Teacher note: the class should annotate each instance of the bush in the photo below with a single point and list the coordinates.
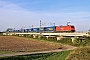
(43, 38)
(65, 40)
(83, 42)
(77, 40)
(1, 34)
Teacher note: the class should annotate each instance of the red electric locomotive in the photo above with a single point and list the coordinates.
(68, 28)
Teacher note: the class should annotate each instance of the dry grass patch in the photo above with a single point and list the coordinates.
(82, 53)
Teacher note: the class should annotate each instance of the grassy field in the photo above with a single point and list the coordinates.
(81, 53)
(50, 56)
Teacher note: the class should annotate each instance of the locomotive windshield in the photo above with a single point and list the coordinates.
(72, 26)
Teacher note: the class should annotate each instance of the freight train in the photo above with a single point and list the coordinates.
(68, 28)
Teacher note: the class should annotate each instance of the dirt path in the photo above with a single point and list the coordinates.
(67, 47)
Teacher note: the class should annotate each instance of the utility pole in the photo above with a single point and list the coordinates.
(32, 26)
(40, 23)
(40, 26)
(54, 24)
(14, 30)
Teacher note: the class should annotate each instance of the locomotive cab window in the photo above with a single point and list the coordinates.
(72, 26)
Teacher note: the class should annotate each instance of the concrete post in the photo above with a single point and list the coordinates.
(34, 36)
(72, 39)
(59, 38)
(47, 37)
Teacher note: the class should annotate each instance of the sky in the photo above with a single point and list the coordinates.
(25, 13)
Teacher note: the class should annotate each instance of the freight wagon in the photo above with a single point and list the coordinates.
(49, 29)
(35, 29)
(41, 29)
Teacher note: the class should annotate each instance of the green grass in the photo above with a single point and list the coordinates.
(48, 56)
(3, 52)
(8, 52)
